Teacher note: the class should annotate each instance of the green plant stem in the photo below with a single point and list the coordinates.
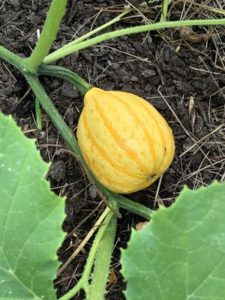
(79, 286)
(71, 141)
(206, 7)
(102, 229)
(48, 34)
(100, 28)
(66, 74)
(53, 113)
(38, 114)
(11, 58)
(165, 5)
(64, 51)
(102, 262)
(83, 283)
(91, 232)
(133, 207)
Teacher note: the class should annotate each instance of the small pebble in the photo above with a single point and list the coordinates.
(92, 192)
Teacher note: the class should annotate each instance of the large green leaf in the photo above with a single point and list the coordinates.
(180, 254)
(30, 219)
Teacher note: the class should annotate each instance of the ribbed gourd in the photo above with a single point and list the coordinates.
(125, 141)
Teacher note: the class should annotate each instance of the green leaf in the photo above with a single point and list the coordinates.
(180, 254)
(30, 219)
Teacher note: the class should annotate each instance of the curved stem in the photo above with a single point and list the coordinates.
(102, 262)
(85, 240)
(133, 207)
(48, 34)
(73, 291)
(64, 51)
(100, 28)
(66, 74)
(11, 58)
(53, 113)
(83, 283)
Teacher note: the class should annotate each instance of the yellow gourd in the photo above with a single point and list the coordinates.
(125, 141)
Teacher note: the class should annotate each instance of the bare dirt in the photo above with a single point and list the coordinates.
(185, 81)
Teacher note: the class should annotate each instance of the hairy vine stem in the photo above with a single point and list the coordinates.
(71, 48)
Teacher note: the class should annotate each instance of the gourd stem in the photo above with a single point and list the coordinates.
(66, 74)
(64, 51)
(133, 206)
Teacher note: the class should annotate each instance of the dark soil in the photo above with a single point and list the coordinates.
(185, 81)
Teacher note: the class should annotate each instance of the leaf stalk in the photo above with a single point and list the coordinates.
(66, 50)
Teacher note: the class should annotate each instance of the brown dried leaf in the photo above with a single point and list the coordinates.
(188, 35)
(112, 277)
